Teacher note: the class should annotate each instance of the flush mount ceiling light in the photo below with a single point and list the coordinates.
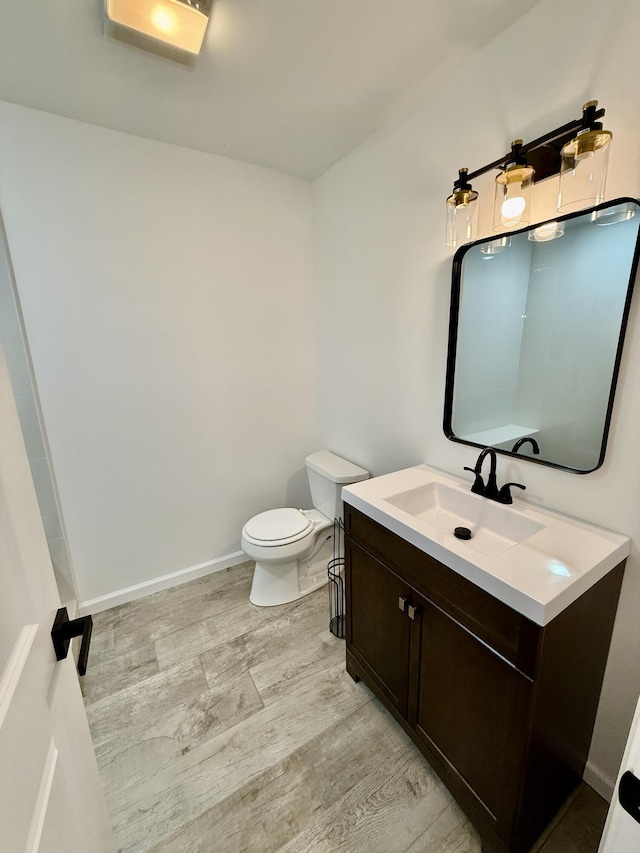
(172, 28)
(577, 151)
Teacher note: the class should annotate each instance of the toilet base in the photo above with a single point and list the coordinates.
(280, 583)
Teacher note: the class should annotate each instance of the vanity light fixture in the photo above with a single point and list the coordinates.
(495, 247)
(577, 151)
(512, 206)
(612, 215)
(585, 158)
(172, 28)
(546, 232)
(462, 212)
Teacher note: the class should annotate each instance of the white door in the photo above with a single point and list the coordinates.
(50, 794)
(622, 831)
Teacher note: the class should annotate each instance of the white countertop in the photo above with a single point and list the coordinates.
(500, 435)
(539, 576)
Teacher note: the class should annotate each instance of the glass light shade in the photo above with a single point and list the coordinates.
(512, 206)
(612, 215)
(178, 24)
(462, 217)
(547, 231)
(495, 247)
(583, 170)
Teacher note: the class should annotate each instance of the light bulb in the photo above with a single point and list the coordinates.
(546, 232)
(512, 209)
(163, 20)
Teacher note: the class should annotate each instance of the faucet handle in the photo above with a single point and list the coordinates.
(504, 495)
(478, 483)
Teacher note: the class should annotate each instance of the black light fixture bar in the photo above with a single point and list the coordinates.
(542, 153)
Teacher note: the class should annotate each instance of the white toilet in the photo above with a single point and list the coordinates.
(291, 547)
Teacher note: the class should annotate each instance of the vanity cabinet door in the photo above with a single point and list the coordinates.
(470, 707)
(378, 628)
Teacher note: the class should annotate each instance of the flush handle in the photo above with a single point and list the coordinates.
(65, 629)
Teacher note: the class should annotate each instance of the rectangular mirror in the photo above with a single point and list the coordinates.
(535, 336)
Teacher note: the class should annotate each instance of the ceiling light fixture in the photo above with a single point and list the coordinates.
(173, 28)
(577, 151)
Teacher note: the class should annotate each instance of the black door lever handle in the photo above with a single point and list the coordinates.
(629, 794)
(65, 629)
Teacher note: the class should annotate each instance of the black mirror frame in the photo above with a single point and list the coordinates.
(453, 336)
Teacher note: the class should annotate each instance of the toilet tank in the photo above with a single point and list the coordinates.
(327, 474)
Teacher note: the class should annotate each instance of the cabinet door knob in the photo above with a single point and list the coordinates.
(402, 603)
(413, 611)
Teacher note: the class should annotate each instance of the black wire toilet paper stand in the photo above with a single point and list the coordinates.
(335, 571)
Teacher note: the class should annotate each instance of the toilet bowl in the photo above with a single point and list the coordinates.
(291, 547)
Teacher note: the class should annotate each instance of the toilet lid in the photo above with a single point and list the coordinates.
(277, 524)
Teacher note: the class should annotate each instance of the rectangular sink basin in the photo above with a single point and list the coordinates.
(532, 559)
(494, 528)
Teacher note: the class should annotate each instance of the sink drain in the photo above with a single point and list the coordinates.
(462, 533)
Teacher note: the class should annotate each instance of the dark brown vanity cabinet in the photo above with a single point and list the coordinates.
(380, 594)
(502, 708)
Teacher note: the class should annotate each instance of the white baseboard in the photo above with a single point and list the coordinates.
(600, 783)
(122, 596)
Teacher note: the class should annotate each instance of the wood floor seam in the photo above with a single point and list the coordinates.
(221, 727)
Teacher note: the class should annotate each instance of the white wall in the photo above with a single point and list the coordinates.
(167, 296)
(149, 274)
(379, 220)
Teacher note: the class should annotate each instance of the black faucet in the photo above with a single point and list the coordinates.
(534, 445)
(490, 490)
(479, 488)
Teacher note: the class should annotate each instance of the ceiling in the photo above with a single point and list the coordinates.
(293, 85)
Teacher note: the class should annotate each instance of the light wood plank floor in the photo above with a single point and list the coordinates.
(222, 727)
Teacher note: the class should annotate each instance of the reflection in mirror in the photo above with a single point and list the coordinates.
(537, 323)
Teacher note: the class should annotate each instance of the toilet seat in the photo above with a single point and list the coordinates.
(277, 527)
